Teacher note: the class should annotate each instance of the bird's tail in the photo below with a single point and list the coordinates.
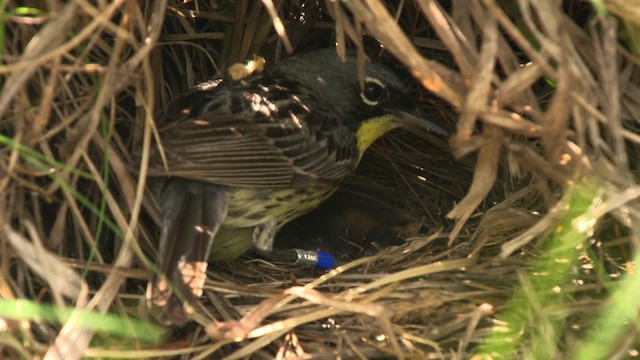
(192, 213)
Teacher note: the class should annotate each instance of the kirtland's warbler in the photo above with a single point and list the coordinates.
(241, 158)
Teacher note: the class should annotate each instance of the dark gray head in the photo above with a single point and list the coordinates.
(337, 84)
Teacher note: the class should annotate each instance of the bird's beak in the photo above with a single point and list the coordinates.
(417, 122)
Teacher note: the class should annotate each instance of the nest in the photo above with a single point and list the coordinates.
(515, 240)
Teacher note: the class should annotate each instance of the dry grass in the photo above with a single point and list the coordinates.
(542, 104)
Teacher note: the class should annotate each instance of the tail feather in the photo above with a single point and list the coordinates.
(192, 213)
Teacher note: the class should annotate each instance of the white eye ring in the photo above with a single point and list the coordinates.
(373, 90)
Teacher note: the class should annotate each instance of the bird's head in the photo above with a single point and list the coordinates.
(380, 105)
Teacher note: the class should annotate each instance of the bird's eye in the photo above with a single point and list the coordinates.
(373, 91)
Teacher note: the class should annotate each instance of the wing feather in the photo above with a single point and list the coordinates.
(250, 141)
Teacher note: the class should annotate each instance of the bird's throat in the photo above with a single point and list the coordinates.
(372, 129)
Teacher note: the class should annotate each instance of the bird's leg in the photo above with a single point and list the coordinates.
(263, 236)
(192, 213)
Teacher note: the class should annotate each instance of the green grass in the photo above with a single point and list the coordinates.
(527, 322)
(110, 324)
(619, 313)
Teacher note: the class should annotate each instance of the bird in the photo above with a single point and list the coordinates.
(235, 160)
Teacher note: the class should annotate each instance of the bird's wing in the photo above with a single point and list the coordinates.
(251, 138)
